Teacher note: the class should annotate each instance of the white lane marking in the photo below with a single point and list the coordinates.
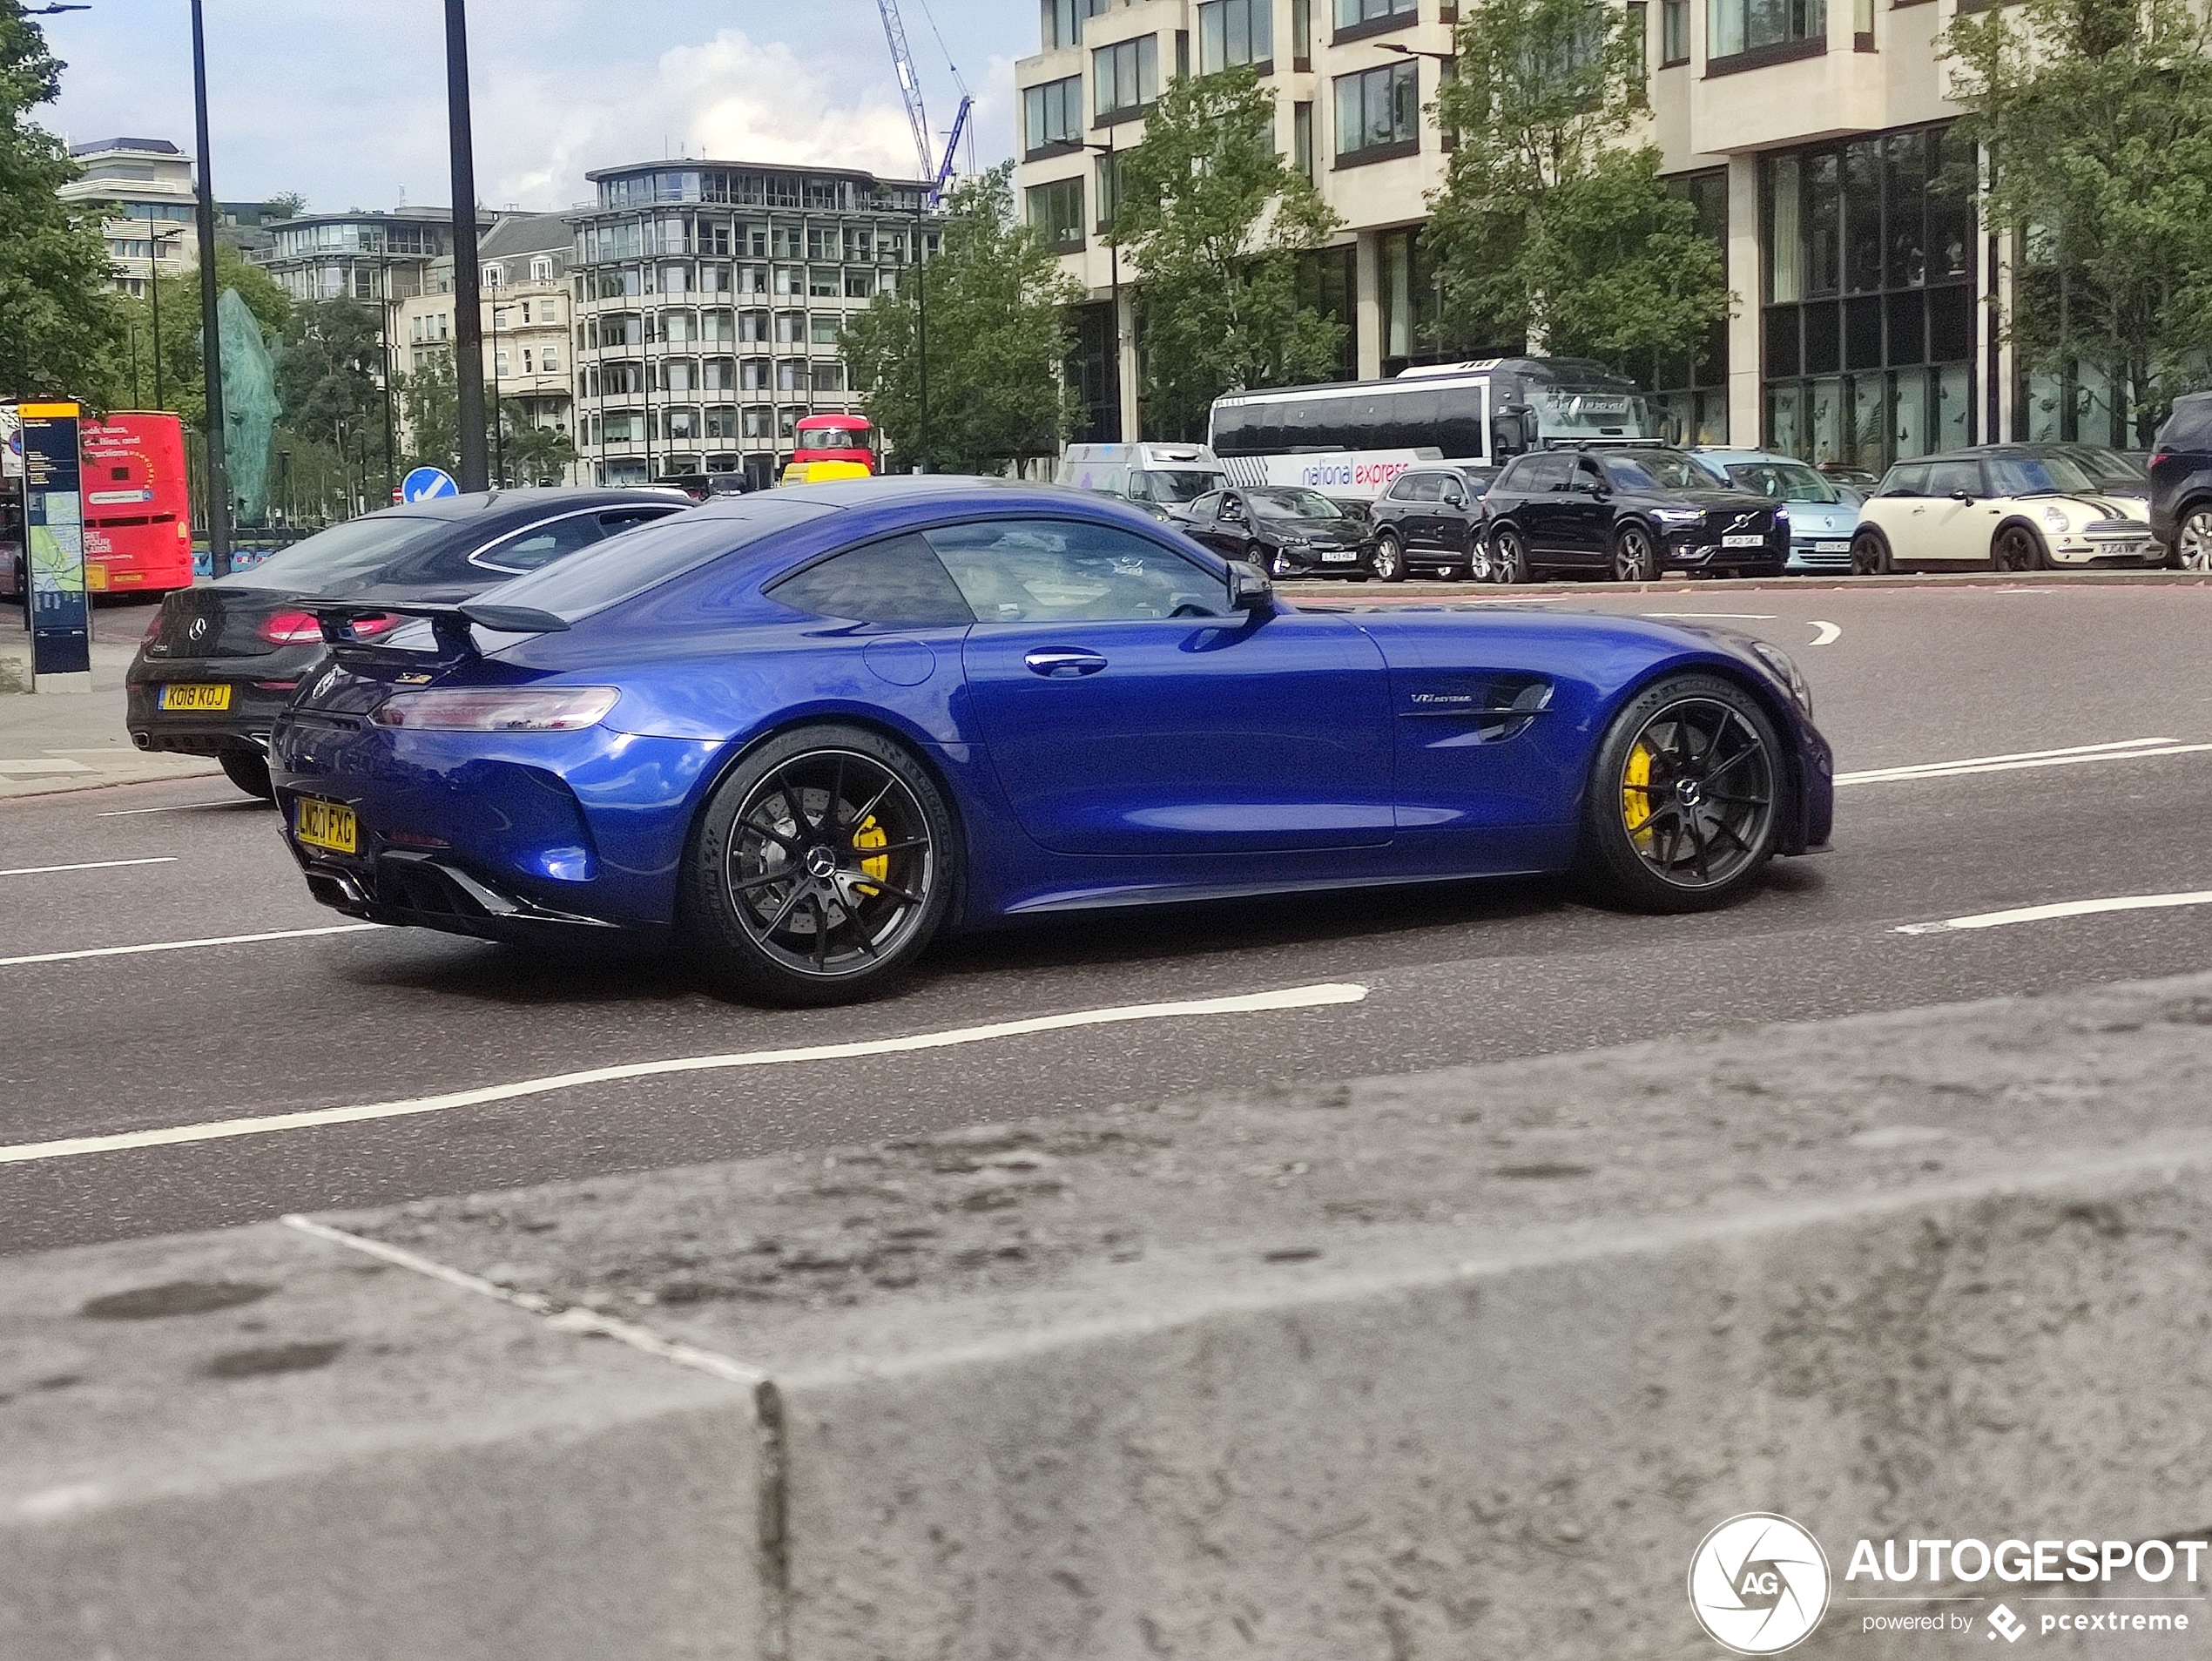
(1294, 997)
(2119, 749)
(92, 865)
(575, 1319)
(176, 807)
(1736, 616)
(2063, 909)
(185, 945)
(1825, 634)
(48, 766)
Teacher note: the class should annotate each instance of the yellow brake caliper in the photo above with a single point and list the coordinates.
(1635, 797)
(872, 834)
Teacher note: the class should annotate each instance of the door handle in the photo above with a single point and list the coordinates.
(1064, 663)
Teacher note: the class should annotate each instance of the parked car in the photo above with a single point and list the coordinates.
(1430, 519)
(221, 660)
(1860, 479)
(1285, 529)
(1162, 480)
(2002, 507)
(2181, 482)
(1823, 514)
(802, 732)
(1630, 514)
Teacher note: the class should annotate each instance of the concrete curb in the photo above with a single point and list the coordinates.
(1431, 588)
(1458, 1364)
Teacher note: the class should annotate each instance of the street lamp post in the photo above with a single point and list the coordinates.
(469, 323)
(154, 299)
(210, 341)
(498, 426)
(1114, 266)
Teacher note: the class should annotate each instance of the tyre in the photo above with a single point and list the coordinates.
(1635, 557)
(1390, 557)
(2192, 539)
(1509, 557)
(2018, 548)
(249, 771)
(1683, 808)
(823, 865)
(1870, 555)
(1479, 566)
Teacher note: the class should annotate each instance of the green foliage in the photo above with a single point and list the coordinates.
(59, 319)
(1551, 231)
(430, 397)
(1212, 217)
(2097, 119)
(182, 385)
(328, 378)
(533, 455)
(996, 335)
(284, 205)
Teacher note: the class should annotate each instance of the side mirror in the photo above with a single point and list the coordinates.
(1966, 496)
(1248, 589)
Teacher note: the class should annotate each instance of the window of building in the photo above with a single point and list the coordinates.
(528, 368)
(1125, 78)
(1057, 212)
(1235, 31)
(548, 360)
(825, 283)
(1379, 113)
(791, 329)
(1301, 35)
(1328, 283)
(859, 285)
(824, 327)
(792, 375)
(1089, 367)
(1365, 16)
(1674, 32)
(790, 280)
(495, 277)
(1411, 304)
(787, 421)
(1868, 281)
(760, 421)
(1737, 27)
(1302, 139)
(753, 374)
(829, 376)
(1052, 115)
(542, 268)
(1690, 389)
(722, 422)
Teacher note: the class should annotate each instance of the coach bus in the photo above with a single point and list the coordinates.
(842, 442)
(138, 504)
(1352, 438)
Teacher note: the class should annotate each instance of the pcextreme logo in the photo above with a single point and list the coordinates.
(1758, 1584)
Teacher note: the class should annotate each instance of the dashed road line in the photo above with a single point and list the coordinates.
(91, 865)
(185, 945)
(2060, 908)
(2073, 755)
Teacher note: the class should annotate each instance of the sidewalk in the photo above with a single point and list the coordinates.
(75, 741)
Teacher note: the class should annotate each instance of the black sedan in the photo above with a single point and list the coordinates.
(1630, 514)
(221, 660)
(1284, 530)
(1430, 519)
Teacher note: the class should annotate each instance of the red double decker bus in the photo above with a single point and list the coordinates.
(137, 505)
(850, 439)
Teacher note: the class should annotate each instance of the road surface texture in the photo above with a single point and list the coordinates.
(2091, 697)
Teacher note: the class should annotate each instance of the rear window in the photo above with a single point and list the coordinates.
(345, 555)
(625, 566)
(2190, 425)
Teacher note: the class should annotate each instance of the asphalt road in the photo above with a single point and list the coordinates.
(128, 1043)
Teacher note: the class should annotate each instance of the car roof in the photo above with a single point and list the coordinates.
(1730, 453)
(536, 498)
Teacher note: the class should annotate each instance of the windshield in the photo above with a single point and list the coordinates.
(1782, 481)
(831, 438)
(2111, 469)
(2027, 475)
(1293, 504)
(343, 555)
(1658, 471)
(1176, 485)
(1591, 412)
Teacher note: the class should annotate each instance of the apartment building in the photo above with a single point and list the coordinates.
(373, 256)
(708, 298)
(150, 183)
(1813, 135)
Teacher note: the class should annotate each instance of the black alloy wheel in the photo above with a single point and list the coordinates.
(1509, 557)
(1635, 557)
(820, 869)
(1683, 809)
(1870, 555)
(2018, 549)
(1478, 557)
(1390, 557)
(249, 771)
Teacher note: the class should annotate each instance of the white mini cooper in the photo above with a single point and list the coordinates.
(2007, 507)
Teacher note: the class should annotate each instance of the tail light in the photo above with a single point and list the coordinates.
(296, 628)
(499, 709)
(2160, 458)
(153, 628)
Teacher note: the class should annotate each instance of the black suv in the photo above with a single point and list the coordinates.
(1431, 520)
(2181, 483)
(1630, 514)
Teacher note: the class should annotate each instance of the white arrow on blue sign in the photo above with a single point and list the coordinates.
(428, 481)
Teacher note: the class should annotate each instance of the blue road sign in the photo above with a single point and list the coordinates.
(428, 481)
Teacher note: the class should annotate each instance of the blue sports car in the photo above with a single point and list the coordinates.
(804, 732)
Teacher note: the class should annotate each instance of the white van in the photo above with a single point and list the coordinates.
(1162, 478)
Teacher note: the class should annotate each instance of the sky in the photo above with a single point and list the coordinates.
(344, 100)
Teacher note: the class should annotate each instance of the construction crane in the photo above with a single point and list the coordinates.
(938, 172)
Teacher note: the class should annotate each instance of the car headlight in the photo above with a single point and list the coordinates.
(1786, 672)
(2054, 519)
(1678, 515)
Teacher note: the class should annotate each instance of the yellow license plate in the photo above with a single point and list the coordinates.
(324, 824)
(196, 695)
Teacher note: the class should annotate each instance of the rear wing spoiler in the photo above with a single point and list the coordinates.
(454, 625)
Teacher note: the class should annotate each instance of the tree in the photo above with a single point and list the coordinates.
(1213, 219)
(333, 350)
(996, 335)
(284, 205)
(1551, 232)
(534, 454)
(431, 399)
(183, 382)
(58, 318)
(2096, 120)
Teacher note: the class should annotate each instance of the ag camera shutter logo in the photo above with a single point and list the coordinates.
(1758, 1584)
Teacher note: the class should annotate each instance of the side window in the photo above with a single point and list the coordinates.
(1206, 506)
(540, 544)
(1947, 478)
(1030, 570)
(1539, 473)
(897, 581)
(1454, 490)
(1906, 481)
(615, 521)
(1402, 490)
(1423, 487)
(1589, 476)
